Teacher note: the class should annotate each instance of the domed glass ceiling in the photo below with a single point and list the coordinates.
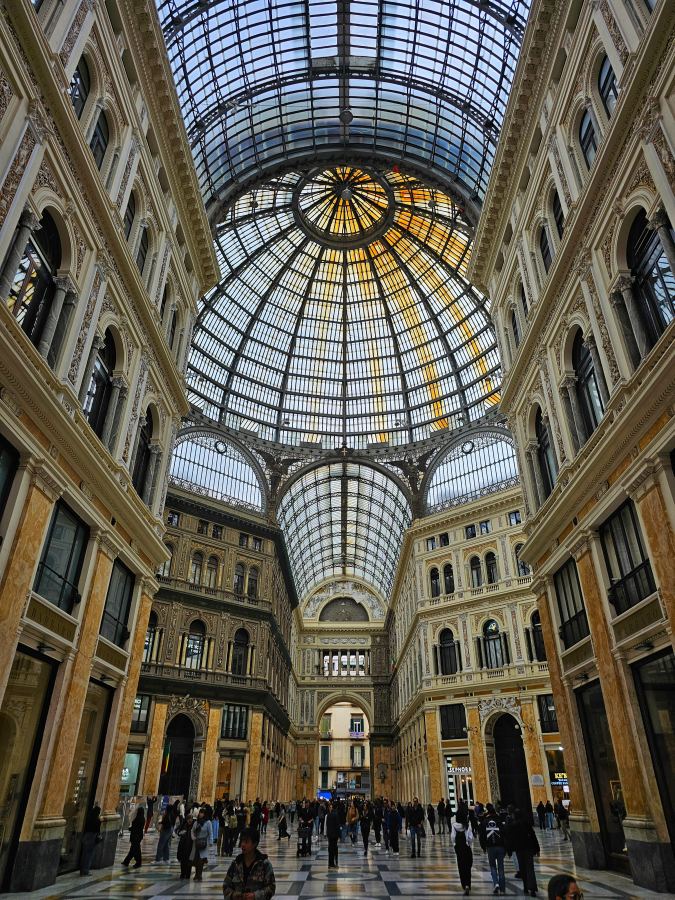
(344, 315)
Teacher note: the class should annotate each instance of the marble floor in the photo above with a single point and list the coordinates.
(376, 877)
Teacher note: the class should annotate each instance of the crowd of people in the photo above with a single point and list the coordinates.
(500, 832)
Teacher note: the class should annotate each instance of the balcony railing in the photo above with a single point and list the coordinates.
(574, 629)
(632, 588)
(357, 735)
(180, 584)
(207, 676)
(515, 671)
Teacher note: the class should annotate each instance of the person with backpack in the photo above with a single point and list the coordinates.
(461, 836)
(250, 876)
(521, 840)
(491, 837)
(202, 838)
(563, 816)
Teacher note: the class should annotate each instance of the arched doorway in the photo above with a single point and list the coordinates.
(178, 753)
(511, 765)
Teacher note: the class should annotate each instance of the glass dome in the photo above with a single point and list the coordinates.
(344, 315)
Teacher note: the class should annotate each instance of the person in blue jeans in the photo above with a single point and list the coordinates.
(165, 833)
(491, 833)
(414, 820)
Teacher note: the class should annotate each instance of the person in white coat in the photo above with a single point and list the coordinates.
(202, 838)
(461, 836)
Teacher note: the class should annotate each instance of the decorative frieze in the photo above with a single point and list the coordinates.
(16, 170)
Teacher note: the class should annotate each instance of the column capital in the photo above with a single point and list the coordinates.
(29, 219)
(568, 381)
(616, 299)
(658, 219)
(642, 482)
(155, 449)
(589, 341)
(118, 381)
(106, 544)
(532, 447)
(98, 342)
(581, 545)
(42, 478)
(64, 283)
(624, 282)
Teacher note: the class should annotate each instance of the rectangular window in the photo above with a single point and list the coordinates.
(356, 756)
(324, 726)
(139, 716)
(118, 604)
(431, 543)
(234, 724)
(470, 531)
(485, 527)
(257, 544)
(547, 716)
(173, 517)
(217, 531)
(324, 781)
(573, 621)
(445, 540)
(356, 725)
(202, 527)
(325, 757)
(514, 517)
(9, 463)
(628, 567)
(59, 570)
(453, 721)
(243, 540)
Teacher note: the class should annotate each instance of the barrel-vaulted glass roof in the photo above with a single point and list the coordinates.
(268, 81)
(344, 519)
(344, 315)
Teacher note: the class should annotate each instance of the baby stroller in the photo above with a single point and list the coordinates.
(304, 841)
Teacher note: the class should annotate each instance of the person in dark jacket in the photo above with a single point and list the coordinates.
(449, 813)
(414, 819)
(378, 813)
(283, 824)
(90, 837)
(461, 835)
(250, 876)
(491, 834)
(521, 840)
(332, 826)
(431, 816)
(440, 812)
(166, 824)
(541, 815)
(136, 833)
(151, 809)
(184, 851)
(366, 819)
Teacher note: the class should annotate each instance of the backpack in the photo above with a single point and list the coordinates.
(493, 834)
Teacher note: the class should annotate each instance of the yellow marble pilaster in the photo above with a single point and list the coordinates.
(153, 763)
(254, 755)
(479, 776)
(626, 749)
(75, 690)
(433, 755)
(661, 543)
(20, 568)
(207, 789)
(305, 757)
(532, 747)
(120, 729)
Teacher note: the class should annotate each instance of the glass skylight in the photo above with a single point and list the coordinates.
(479, 465)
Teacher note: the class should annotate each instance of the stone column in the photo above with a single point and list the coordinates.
(625, 285)
(255, 754)
(19, 572)
(570, 384)
(532, 747)
(481, 785)
(119, 409)
(139, 427)
(155, 451)
(67, 723)
(619, 307)
(532, 453)
(592, 348)
(111, 412)
(565, 392)
(659, 223)
(153, 760)
(96, 345)
(207, 790)
(433, 754)
(63, 286)
(28, 223)
(55, 351)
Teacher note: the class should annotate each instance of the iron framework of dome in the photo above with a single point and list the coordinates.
(344, 316)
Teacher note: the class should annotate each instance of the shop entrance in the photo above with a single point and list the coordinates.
(511, 765)
(177, 760)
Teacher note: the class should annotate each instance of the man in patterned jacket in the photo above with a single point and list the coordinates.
(250, 876)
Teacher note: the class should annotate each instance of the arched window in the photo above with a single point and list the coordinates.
(435, 583)
(252, 583)
(654, 282)
(448, 655)
(212, 572)
(97, 399)
(142, 454)
(172, 329)
(587, 387)
(538, 648)
(545, 248)
(240, 652)
(491, 568)
(607, 87)
(194, 645)
(150, 638)
(493, 650)
(99, 139)
(546, 456)
(523, 299)
(239, 576)
(143, 244)
(448, 579)
(129, 215)
(515, 328)
(476, 572)
(196, 566)
(162, 307)
(80, 85)
(558, 214)
(34, 285)
(523, 568)
(164, 570)
(587, 138)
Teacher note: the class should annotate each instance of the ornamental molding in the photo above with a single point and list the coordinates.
(487, 708)
(187, 704)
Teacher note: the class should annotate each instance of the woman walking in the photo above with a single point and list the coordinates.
(521, 839)
(352, 821)
(166, 824)
(136, 833)
(184, 851)
(431, 816)
(462, 837)
(202, 838)
(366, 824)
